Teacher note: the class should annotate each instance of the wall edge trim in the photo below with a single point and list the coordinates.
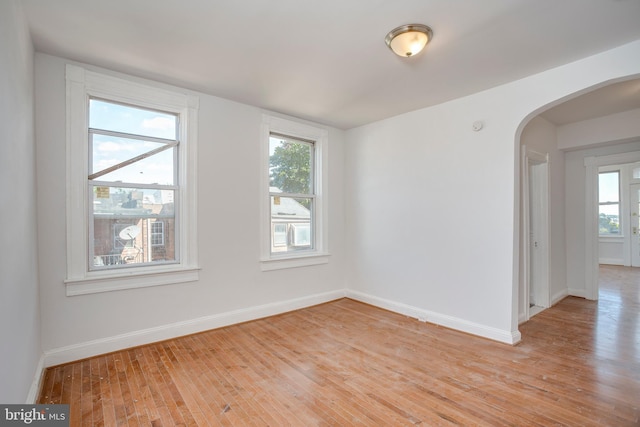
(106, 345)
(36, 383)
(477, 329)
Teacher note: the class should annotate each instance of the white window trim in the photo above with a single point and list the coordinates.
(320, 253)
(82, 84)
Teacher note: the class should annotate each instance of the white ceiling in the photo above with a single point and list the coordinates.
(325, 60)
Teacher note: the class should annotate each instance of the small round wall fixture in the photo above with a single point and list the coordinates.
(408, 40)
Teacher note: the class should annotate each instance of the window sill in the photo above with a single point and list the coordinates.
(294, 261)
(115, 281)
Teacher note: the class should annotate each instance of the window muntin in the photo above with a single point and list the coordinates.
(133, 182)
(292, 193)
(609, 203)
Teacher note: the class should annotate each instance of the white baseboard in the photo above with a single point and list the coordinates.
(611, 261)
(558, 297)
(522, 317)
(581, 293)
(146, 336)
(34, 390)
(508, 337)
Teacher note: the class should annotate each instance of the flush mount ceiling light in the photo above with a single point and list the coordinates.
(408, 40)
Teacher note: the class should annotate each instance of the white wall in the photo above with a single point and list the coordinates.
(540, 135)
(231, 287)
(433, 206)
(425, 232)
(611, 251)
(19, 306)
(618, 127)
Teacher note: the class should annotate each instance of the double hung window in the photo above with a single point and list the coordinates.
(294, 208)
(292, 193)
(131, 182)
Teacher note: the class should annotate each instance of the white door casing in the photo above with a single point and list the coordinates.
(536, 226)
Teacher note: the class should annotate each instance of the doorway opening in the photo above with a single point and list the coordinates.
(599, 248)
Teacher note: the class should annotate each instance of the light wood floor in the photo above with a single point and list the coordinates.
(346, 363)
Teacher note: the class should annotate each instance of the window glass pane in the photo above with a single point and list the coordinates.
(301, 235)
(608, 187)
(291, 222)
(609, 220)
(109, 151)
(636, 173)
(138, 121)
(132, 226)
(290, 165)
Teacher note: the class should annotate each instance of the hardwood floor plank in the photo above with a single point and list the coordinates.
(51, 391)
(378, 371)
(86, 397)
(116, 391)
(46, 389)
(297, 393)
(73, 386)
(347, 363)
(96, 393)
(391, 369)
(153, 376)
(144, 408)
(185, 378)
(247, 410)
(171, 395)
(243, 395)
(272, 363)
(108, 409)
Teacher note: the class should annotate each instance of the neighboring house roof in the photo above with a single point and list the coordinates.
(287, 207)
(119, 210)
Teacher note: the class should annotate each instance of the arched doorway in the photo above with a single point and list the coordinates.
(561, 132)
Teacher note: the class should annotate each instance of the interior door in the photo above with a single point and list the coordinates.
(535, 258)
(538, 235)
(634, 199)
